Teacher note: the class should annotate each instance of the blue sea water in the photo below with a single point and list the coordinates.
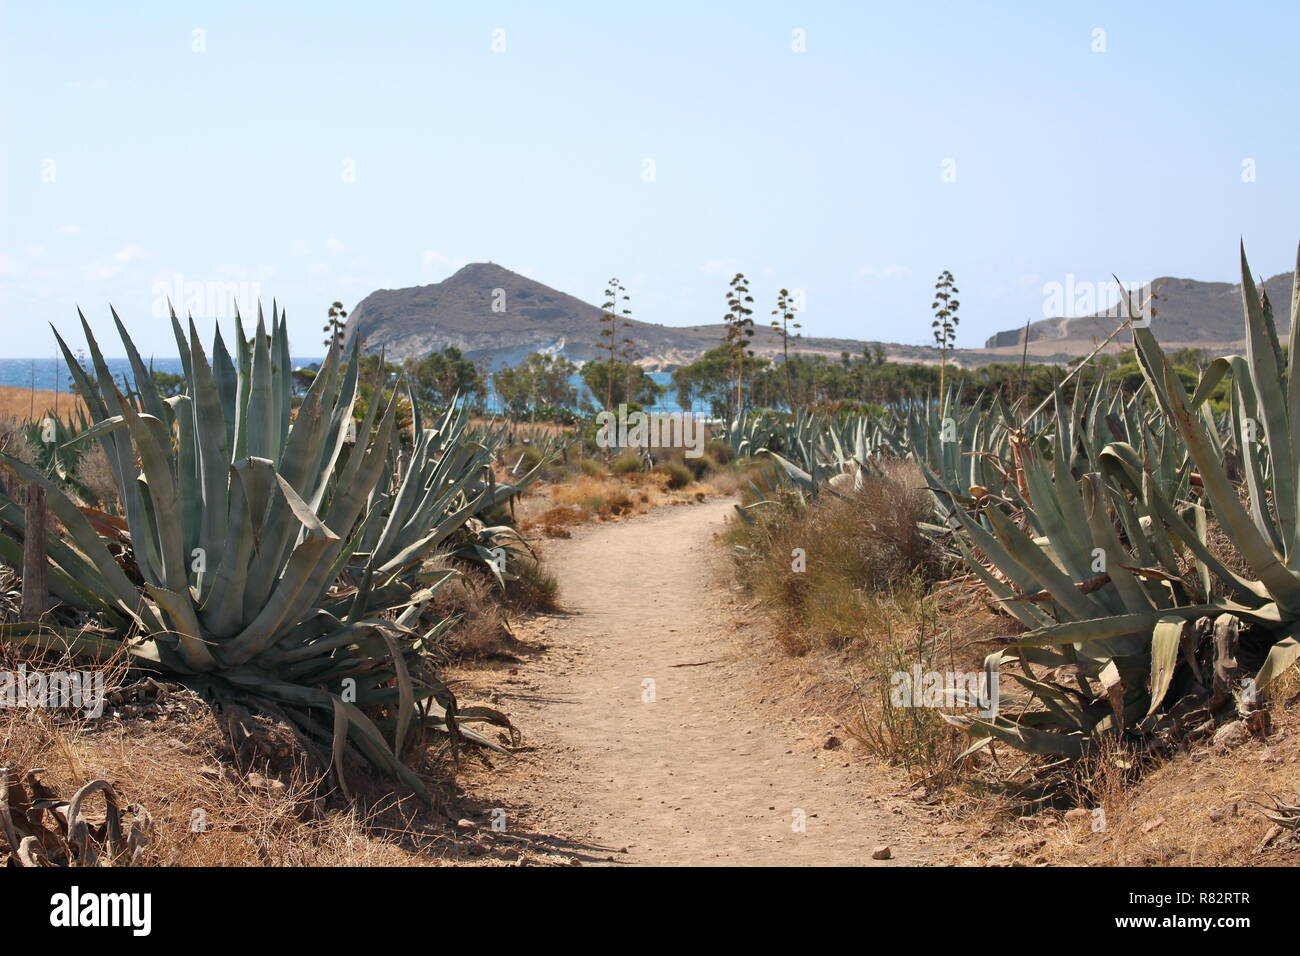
(50, 374)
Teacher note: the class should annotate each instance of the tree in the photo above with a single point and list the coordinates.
(167, 383)
(439, 377)
(945, 322)
(783, 322)
(739, 333)
(707, 379)
(628, 353)
(334, 325)
(619, 388)
(615, 295)
(540, 387)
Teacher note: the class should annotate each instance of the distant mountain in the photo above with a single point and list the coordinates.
(493, 314)
(500, 317)
(1188, 313)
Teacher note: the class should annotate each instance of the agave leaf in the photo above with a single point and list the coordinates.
(1021, 737)
(1112, 627)
(1282, 583)
(213, 454)
(185, 624)
(340, 744)
(1030, 556)
(1166, 640)
(1115, 461)
(88, 542)
(1266, 372)
(406, 701)
(150, 399)
(263, 416)
(1281, 656)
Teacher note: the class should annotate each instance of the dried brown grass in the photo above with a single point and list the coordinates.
(26, 404)
(864, 608)
(204, 812)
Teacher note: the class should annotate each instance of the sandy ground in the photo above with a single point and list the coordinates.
(655, 724)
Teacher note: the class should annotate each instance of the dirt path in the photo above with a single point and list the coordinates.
(656, 739)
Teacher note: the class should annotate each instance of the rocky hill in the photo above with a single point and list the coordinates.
(499, 316)
(1188, 313)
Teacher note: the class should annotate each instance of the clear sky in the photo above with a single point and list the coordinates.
(319, 151)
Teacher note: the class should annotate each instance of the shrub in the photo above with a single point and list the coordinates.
(626, 465)
(532, 587)
(701, 467)
(679, 476)
(856, 547)
(719, 451)
(618, 502)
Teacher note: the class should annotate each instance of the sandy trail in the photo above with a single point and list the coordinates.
(655, 733)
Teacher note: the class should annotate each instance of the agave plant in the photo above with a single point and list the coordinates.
(53, 441)
(241, 516)
(1085, 552)
(1266, 425)
(748, 433)
(446, 487)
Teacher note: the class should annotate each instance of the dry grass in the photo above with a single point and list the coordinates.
(852, 552)
(171, 756)
(554, 509)
(531, 588)
(482, 609)
(527, 430)
(1203, 807)
(481, 630)
(93, 483)
(863, 609)
(25, 404)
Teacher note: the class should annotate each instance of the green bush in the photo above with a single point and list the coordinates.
(679, 476)
(626, 465)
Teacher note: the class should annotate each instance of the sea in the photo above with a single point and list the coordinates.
(51, 374)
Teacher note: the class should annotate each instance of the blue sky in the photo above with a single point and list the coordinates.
(314, 152)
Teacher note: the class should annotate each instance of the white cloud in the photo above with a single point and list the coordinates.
(110, 266)
(334, 246)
